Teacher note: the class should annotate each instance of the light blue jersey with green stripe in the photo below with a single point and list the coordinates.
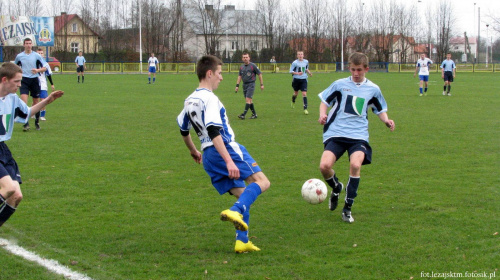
(349, 103)
(12, 109)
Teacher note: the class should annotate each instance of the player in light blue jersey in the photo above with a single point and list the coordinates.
(13, 109)
(300, 69)
(448, 70)
(80, 66)
(153, 67)
(228, 163)
(32, 64)
(346, 128)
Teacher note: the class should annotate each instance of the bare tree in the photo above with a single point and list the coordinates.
(268, 14)
(444, 25)
(208, 19)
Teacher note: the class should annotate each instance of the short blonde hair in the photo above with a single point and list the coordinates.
(358, 58)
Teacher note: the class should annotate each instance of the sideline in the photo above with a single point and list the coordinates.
(51, 265)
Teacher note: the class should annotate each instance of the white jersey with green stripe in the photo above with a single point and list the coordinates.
(349, 103)
(12, 108)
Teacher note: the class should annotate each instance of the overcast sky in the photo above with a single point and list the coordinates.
(463, 10)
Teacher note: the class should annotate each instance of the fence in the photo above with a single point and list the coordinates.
(127, 67)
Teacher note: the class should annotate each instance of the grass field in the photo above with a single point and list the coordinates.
(111, 191)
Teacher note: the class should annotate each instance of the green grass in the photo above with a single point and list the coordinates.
(111, 191)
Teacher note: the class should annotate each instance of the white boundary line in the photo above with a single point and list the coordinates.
(51, 265)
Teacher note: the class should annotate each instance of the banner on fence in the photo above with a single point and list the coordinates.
(14, 29)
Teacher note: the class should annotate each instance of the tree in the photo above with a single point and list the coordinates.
(444, 25)
(208, 19)
(268, 15)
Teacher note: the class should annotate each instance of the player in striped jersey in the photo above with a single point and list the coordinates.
(228, 163)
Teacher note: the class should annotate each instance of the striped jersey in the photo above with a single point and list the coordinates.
(203, 109)
(12, 108)
(43, 77)
(152, 61)
(349, 103)
(299, 66)
(423, 65)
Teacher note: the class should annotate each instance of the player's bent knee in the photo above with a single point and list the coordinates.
(325, 168)
(355, 166)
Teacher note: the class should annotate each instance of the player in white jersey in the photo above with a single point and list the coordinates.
(43, 84)
(422, 67)
(346, 128)
(153, 67)
(228, 163)
(13, 109)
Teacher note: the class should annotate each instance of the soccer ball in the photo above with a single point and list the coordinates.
(314, 191)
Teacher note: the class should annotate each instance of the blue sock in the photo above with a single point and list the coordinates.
(149, 79)
(154, 79)
(42, 113)
(246, 199)
(243, 235)
(420, 90)
(425, 90)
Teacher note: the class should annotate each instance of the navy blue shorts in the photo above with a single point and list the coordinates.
(216, 167)
(152, 69)
(80, 68)
(30, 86)
(299, 84)
(8, 166)
(448, 76)
(338, 146)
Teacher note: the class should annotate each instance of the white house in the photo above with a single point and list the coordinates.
(466, 45)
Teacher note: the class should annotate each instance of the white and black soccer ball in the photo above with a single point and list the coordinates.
(314, 191)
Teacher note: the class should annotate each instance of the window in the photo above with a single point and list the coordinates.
(254, 45)
(74, 27)
(234, 45)
(74, 47)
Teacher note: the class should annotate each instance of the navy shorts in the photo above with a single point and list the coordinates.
(216, 168)
(248, 89)
(80, 68)
(448, 76)
(152, 69)
(8, 166)
(299, 84)
(30, 86)
(338, 146)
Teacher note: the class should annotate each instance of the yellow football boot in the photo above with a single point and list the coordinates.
(235, 217)
(241, 247)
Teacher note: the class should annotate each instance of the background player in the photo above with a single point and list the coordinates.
(448, 70)
(346, 128)
(228, 163)
(247, 73)
(13, 110)
(32, 64)
(80, 66)
(43, 83)
(299, 69)
(422, 67)
(153, 67)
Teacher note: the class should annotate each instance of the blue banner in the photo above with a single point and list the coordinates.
(14, 29)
